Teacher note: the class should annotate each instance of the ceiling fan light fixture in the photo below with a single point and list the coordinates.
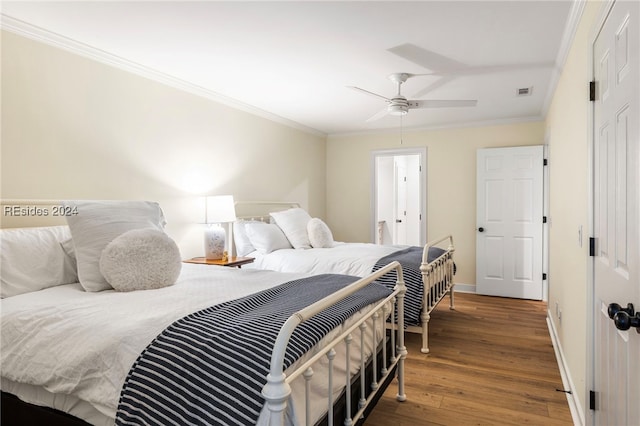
(398, 109)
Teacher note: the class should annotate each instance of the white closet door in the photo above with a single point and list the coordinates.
(509, 222)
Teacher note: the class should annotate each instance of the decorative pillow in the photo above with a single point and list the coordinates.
(141, 259)
(266, 237)
(293, 223)
(33, 259)
(320, 235)
(241, 239)
(97, 223)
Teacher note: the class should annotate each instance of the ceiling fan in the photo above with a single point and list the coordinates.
(400, 105)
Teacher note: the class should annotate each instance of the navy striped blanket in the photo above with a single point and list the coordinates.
(209, 367)
(410, 259)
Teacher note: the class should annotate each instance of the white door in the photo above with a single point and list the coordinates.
(509, 222)
(616, 217)
(384, 196)
(400, 208)
(413, 213)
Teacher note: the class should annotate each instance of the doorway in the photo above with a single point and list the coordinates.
(398, 196)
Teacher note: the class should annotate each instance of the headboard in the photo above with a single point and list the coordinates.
(31, 213)
(259, 210)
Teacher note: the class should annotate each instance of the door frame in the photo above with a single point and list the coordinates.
(422, 153)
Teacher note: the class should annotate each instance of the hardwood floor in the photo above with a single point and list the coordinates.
(491, 363)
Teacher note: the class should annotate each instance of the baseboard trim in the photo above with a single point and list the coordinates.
(464, 288)
(577, 412)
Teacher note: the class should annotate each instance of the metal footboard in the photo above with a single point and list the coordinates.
(277, 391)
(437, 277)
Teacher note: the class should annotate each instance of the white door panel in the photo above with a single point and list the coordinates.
(400, 207)
(616, 214)
(509, 219)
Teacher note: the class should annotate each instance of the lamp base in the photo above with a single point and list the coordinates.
(214, 243)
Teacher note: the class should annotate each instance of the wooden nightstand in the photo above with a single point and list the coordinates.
(232, 261)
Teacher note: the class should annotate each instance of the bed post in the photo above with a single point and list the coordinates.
(402, 349)
(276, 393)
(425, 316)
(425, 333)
(451, 250)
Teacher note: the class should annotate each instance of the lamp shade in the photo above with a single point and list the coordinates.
(220, 209)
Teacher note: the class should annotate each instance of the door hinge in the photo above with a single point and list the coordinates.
(592, 91)
(592, 400)
(544, 276)
(592, 246)
(545, 162)
(544, 219)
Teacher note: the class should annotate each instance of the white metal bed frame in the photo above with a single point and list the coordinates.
(277, 389)
(437, 276)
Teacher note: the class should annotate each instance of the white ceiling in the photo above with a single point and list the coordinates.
(295, 59)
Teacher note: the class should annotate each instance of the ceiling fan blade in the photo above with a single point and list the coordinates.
(426, 58)
(377, 116)
(409, 75)
(366, 92)
(438, 83)
(435, 103)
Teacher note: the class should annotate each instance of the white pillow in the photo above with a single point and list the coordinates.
(141, 259)
(97, 223)
(241, 239)
(33, 259)
(320, 235)
(266, 237)
(293, 223)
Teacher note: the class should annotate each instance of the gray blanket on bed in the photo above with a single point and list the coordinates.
(209, 367)
(410, 259)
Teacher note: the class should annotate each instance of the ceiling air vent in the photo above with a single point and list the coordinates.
(524, 91)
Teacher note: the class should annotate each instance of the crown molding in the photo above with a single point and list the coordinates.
(42, 35)
(457, 125)
(573, 20)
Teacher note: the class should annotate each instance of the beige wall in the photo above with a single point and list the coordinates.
(569, 138)
(74, 128)
(451, 181)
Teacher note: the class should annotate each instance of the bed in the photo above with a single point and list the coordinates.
(215, 346)
(281, 236)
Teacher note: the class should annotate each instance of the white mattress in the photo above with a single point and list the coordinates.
(344, 258)
(65, 341)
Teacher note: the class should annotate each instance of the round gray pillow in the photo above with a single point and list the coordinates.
(141, 259)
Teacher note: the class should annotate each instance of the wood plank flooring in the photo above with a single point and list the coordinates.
(491, 363)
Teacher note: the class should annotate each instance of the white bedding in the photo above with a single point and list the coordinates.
(344, 258)
(43, 346)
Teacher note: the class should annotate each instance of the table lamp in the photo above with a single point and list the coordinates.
(219, 210)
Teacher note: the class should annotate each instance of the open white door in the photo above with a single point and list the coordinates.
(509, 222)
(399, 192)
(616, 217)
(400, 207)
